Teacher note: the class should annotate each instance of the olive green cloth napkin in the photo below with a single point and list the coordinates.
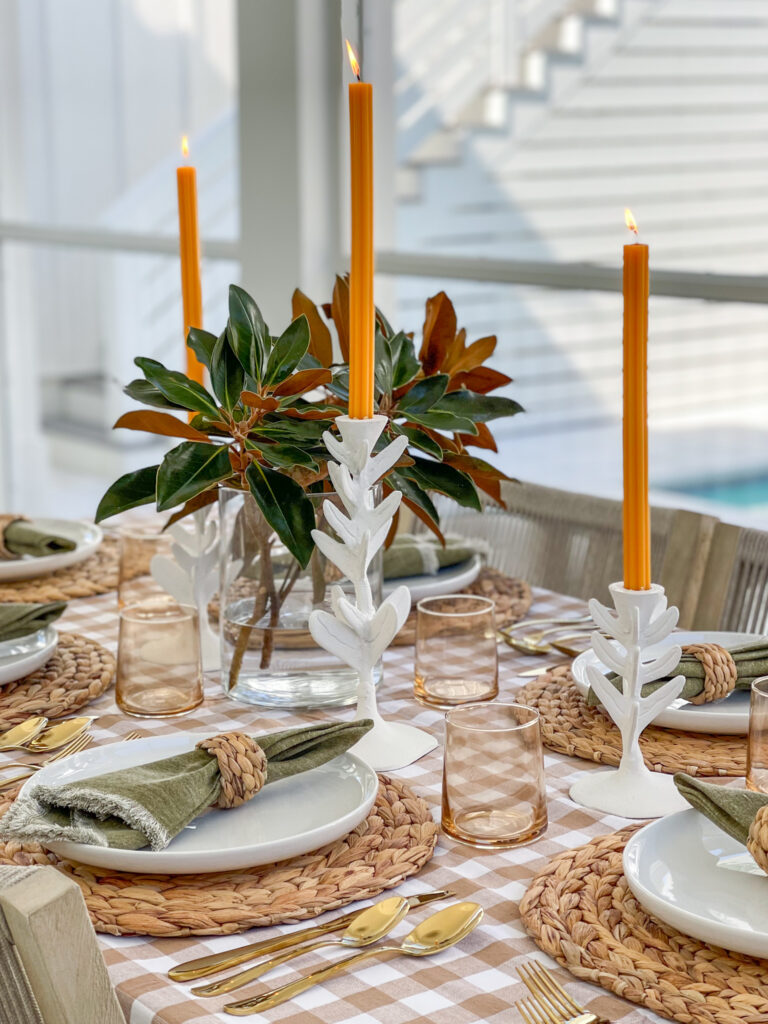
(416, 555)
(751, 662)
(150, 804)
(22, 619)
(732, 810)
(21, 537)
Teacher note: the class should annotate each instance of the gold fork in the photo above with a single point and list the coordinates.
(74, 747)
(550, 1004)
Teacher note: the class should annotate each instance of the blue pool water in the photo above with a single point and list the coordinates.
(746, 493)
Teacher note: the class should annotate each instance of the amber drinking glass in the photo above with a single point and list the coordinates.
(494, 791)
(757, 745)
(159, 670)
(456, 661)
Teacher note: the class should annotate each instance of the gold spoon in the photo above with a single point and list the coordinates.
(439, 931)
(59, 735)
(19, 736)
(369, 926)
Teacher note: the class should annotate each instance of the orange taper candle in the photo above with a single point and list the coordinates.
(637, 514)
(189, 250)
(361, 306)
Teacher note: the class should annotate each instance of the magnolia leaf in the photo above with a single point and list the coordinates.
(146, 393)
(482, 380)
(286, 456)
(292, 431)
(438, 419)
(188, 469)
(320, 344)
(159, 423)
(478, 408)
(414, 493)
(285, 507)
(382, 364)
(254, 401)
(423, 395)
(405, 365)
(308, 411)
(202, 344)
(437, 476)
(130, 491)
(484, 439)
(288, 351)
(421, 440)
(177, 387)
(227, 374)
(302, 381)
(472, 356)
(418, 511)
(247, 333)
(340, 314)
(438, 332)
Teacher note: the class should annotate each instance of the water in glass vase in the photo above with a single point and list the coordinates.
(267, 654)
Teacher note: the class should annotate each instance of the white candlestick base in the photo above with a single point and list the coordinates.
(356, 631)
(641, 620)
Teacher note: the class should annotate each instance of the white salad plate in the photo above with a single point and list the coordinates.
(449, 580)
(727, 717)
(672, 868)
(86, 536)
(23, 655)
(286, 819)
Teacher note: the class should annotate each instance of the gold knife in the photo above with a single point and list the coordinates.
(217, 962)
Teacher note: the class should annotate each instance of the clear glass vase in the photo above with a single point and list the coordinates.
(268, 656)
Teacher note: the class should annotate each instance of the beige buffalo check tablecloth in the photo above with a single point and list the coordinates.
(475, 981)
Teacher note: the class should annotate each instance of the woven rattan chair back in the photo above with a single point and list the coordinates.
(572, 543)
(734, 591)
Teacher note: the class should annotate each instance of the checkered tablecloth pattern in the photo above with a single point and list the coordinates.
(475, 981)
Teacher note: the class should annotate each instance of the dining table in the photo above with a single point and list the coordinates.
(475, 981)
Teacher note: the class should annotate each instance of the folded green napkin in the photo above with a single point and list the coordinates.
(751, 662)
(414, 555)
(732, 810)
(150, 804)
(20, 537)
(22, 619)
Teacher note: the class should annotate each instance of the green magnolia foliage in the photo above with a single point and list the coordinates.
(271, 397)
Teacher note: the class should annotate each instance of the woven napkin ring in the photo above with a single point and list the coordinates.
(242, 766)
(5, 522)
(720, 672)
(757, 841)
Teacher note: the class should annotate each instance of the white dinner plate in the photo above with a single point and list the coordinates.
(25, 654)
(727, 717)
(86, 536)
(286, 819)
(446, 581)
(672, 868)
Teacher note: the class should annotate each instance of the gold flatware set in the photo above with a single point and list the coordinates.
(359, 929)
(549, 1003)
(558, 628)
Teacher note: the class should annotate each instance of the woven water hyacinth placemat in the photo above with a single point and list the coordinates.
(394, 842)
(580, 910)
(78, 671)
(570, 726)
(95, 575)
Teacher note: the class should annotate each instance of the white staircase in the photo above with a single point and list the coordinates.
(662, 107)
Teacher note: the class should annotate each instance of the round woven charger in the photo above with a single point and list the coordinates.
(78, 671)
(570, 726)
(580, 910)
(97, 574)
(395, 841)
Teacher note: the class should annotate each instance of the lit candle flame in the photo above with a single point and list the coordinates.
(185, 146)
(354, 63)
(630, 221)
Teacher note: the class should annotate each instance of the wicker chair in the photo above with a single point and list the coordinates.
(734, 590)
(572, 543)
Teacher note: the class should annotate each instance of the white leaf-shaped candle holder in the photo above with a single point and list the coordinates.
(641, 619)
(191, 574)
(355, 631)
